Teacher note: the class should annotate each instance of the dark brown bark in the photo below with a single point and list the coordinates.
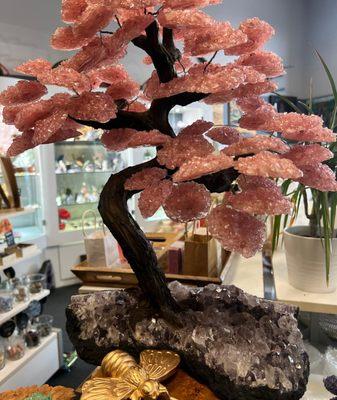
(113, 203)
(136, 248)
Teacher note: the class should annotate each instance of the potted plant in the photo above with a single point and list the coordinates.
(311, 250)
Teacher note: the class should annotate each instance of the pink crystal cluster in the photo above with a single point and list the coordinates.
(99, 89)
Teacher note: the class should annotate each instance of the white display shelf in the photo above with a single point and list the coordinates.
(20, 260)
(19, 307)
(312, 302)
(15, 214)
(15, 373)
(246, 274)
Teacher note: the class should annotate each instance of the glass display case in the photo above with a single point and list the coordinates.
(27, 224)
(82, 168)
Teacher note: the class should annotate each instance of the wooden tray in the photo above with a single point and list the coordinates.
(123, 277)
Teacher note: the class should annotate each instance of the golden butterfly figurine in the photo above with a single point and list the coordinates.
(121, 378)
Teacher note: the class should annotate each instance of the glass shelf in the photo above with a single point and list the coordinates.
(28, 224)
(78, 204)
(82, 169)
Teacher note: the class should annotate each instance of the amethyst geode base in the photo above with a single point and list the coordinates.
(241, 346)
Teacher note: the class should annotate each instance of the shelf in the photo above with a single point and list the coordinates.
(20, 260)
(12, 213)
(22, 306)
(84, 172)
(312, 302)
(12, 368)
(79, 142)
(78, 204)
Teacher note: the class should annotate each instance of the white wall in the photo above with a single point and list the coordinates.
(25, 27)
(321, 34)
(287, 17)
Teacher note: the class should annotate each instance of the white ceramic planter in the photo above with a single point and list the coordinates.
(306, 261)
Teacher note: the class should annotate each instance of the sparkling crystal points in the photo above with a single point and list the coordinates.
(224, 135)
(267, 164)
(22, 92)
(153, 197)
(255, 145)
(199, 166)
(236, 231)
(188, 201)
(141, 180)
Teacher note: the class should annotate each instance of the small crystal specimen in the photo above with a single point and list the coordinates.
(242, 91)
(92, 20)
(121, 139)
(236, 231)
(330, 384)
(22, 92)
(267, 164)
(199, 166)
(93, 106)
(47, 127)
(34, 67)
(224, 135)
(255, 145)
(188, 201)
(250, 104)
(267, 63)
(196, 129)
(258, 33)
(67, 77)
(143, 179)
(308, 154)
(318, 134)
(247, 182)
(318, 176)
(153, 197)
(176, 151)
(260, 201)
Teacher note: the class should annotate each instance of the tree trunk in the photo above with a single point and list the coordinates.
(136, 247)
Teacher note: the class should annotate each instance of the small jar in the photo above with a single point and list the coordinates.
(44, 324)
(36, 283)
(2, 356)
(21, 290)
(15, 347)
(6, 300)
(32, 336)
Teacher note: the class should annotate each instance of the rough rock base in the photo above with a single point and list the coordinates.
(242, 347)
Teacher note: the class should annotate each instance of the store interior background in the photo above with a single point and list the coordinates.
(301, 26)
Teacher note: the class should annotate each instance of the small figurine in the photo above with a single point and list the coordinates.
(121, 378)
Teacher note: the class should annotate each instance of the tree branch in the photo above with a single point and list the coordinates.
(136, 247)
(155, 118)
(162, 59)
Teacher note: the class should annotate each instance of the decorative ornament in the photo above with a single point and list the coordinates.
(121, 378)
